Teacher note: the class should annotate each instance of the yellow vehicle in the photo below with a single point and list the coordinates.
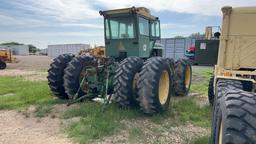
(233, 86)
(97, 52)
(6, 57)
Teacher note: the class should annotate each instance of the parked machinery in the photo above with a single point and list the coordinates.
(233, 86)
(6, 57)
(97, 51)
(205, 50)
(131, 70)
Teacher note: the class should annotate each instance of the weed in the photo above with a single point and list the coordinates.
(135, 134)
(184, 111)
(43, 110)
(187, 110)
(22, 93)
(202, 140)
(201, 80)
(95, 123)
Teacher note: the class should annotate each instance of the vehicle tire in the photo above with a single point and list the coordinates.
(211, 91)
(2, 65)
(182, 77)
(56, 73)
(171, 63)
(125, 81)
(235, 118)
(73, 74)
(155, 85)
(222, 86)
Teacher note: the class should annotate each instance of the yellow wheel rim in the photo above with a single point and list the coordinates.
(188, 77)
(220, 133)
(163, 90)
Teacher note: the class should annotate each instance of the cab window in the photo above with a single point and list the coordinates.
(155, 29)
(120, 28)
(143, 26)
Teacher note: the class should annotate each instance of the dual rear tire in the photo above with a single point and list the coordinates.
(182, 77)
(149, 84)
(125, 83)
(155, 85)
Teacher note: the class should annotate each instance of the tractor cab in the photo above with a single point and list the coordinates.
(130, 32)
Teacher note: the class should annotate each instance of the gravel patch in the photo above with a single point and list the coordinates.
(17, 128)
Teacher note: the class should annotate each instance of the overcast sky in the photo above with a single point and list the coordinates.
(43, 22)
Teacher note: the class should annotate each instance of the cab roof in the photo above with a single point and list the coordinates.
(240, 9)
(138, 10)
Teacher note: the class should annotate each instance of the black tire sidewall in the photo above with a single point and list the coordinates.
(80, 63)
(211, 96)
(165, 106)
(2, 65)
(124, 93)
(181, 66)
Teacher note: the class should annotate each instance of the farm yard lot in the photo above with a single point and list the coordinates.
(29, 114)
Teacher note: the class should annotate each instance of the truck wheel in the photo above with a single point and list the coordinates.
(155, 85)
(125, 81)
(55, 75)
(2, 65)
(182, 77)
(211, 91)
(222, 83)
(74, 73)
(234, 118)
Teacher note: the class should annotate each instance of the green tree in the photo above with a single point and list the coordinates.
(196, 35)
(32, 48)
(12, 43)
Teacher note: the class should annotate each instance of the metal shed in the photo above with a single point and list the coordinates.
(176, 47)
(56, 50)
(17, 49)
(206, 52)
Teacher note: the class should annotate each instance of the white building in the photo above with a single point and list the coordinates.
(56, 50)
(17, 49)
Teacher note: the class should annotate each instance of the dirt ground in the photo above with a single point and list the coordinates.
(31, 63)
(28, 67)
(17, 128)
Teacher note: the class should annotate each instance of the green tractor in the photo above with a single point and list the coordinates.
(132, 72)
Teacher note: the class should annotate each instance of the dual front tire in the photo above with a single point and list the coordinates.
(56, 74)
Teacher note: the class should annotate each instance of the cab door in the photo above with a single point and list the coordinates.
(144, 40)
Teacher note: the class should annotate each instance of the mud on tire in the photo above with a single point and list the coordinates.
(56, 73)
(155, 78)
(125, 81)
(182, 77)
(72, 74)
